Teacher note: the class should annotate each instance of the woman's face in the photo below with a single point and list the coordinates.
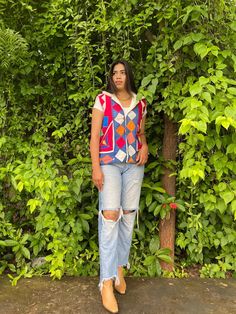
(119, 76)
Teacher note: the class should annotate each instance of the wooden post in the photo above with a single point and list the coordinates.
(167, 225)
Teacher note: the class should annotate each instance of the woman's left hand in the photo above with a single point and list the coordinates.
(142, 156)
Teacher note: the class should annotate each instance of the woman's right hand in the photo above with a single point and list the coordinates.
(98, 177)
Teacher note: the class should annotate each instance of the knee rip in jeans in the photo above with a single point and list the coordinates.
(128, 211)
(111, 215)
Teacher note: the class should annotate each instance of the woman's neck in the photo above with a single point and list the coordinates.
(123, 95)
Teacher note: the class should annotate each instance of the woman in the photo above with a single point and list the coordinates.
(119, 151)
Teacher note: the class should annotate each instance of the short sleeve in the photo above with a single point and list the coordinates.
(145, 111)
(144, 107)
(98, 105)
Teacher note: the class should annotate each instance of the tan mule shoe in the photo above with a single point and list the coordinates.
(108, 298)
(121, 288)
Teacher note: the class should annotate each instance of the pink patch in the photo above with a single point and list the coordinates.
(130, 138)
(140, 113)
(101, 100)
(117, 107)
(106, 159)
(107, 140)
(120, 142)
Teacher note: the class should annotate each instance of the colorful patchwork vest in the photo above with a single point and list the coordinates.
(119, 141)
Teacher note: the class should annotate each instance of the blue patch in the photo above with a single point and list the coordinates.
(105, 122)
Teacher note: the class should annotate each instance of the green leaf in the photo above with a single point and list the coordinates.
(194, 179)
(85, 225)
(152, 207)
(181, 207)
(211, 88)
(25, 252)
(195, 89)
(216, 242)
(20, 186)
(227, 196)
(233, 206)
(178, 44)
(2, 243)
(185, 126)
(201, 126)
(149, 198)
(203, 80)
(232, 90)
(154, 245)
(231, 149)
(165, 258)
(139, 232)
(157, 210)
(3, 140)
(207, 97)
(233, 26)
(225, 123)
(33, 203)
(11, 242)
(164, 251)
(201, 50)
(163, 212)
(158, 268)
(147, 80)
(187, 40)
(150, 166)
(85, 216)
(197, 36)
(152, 269)
(149, 260)
(222, 186)
(93, 245)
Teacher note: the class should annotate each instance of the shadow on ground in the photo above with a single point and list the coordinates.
(144, 296)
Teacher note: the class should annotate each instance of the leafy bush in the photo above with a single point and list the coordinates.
(54, 57)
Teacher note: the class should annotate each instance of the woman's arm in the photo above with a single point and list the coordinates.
(97, 175)
(142, 156)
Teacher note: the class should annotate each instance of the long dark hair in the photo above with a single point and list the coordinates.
(130, 85)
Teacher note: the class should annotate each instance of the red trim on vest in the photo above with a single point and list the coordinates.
(141, 107)
(106, 140)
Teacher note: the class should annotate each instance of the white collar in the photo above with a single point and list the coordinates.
(134, 101)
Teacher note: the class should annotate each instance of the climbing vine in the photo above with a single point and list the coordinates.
(54, 58)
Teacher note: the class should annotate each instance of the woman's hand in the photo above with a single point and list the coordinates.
(142, 156)
(98, 177)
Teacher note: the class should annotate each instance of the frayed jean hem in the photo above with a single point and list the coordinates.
(127, 265)
(114, 278)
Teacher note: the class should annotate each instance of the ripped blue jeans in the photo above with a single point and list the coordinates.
(121, 192)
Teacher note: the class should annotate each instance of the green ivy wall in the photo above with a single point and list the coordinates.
(54, 57)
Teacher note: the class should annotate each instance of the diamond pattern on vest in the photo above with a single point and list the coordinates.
(124, 137)
(120, 130)
(131, 115)
(131, 160)
(130, 138)
(106, 159)
(120, 142)
(117, 108)
(131, 125)
(119, 118)
(120, 155)
(132, 151)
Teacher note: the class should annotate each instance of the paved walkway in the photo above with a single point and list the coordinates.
(144, 296)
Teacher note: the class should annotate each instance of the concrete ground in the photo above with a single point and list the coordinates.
(144, 296)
